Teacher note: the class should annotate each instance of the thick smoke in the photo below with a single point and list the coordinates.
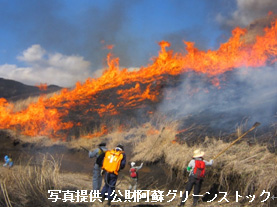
(244, 94)
(247, 11)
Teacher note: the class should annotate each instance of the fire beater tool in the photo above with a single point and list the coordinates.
(84, 148)
(154, 143)
(252, 128)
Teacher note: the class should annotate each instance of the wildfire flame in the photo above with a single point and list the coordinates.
(50, 116)
(42, 86)
(103, 131)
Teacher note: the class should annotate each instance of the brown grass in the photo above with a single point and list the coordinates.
(28, 184)
(24, 103)
(248, 169)
(243, 168)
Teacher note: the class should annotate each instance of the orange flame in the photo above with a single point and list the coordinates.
(103, 131)
(182, 130)
(132, 88)
(37, 119)
(42, 86)
(152, 131)
(109, 47)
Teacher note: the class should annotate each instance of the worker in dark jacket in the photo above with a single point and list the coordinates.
(114, 161)
(97, 177)
(196, 169)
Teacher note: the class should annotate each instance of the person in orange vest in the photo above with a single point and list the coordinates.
(114, 161)
(196, 169)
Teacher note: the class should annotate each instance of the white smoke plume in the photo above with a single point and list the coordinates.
(247, 11)
(246, 93)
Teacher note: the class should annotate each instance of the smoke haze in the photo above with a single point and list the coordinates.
(244, 94)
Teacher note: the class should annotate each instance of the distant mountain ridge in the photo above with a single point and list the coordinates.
(14, 90)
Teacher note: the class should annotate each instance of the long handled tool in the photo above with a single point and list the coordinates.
(252, 128)
(84, 148)
(154, 143)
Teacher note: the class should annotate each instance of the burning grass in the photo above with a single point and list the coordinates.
(22, 104)
(247, 169)
(119, 92)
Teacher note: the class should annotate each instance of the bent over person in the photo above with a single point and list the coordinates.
(96, 177)
(8, 161)
(114, 161)
(196, 169)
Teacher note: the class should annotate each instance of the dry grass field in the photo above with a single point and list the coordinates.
(248, 169)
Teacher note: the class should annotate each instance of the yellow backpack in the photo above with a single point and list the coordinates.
(112, 161)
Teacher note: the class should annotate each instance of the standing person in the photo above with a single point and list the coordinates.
(114, 161)
(134, 175)
(96, 177)
(196, 169)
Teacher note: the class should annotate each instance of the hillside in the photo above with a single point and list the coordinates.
(14, 90)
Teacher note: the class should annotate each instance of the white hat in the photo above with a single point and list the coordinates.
(198, 153)
(133, 164)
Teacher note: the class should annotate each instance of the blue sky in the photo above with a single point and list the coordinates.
(59, 41)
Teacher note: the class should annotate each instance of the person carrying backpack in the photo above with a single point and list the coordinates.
(114, 161)
(134, 175)
(99, 154)
(196, 169)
